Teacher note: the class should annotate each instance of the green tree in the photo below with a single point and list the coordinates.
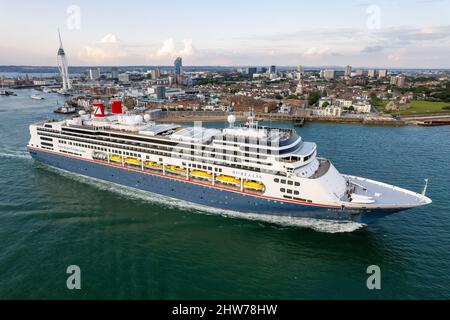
(313, 97)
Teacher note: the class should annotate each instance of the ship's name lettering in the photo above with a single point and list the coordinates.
(247, 174)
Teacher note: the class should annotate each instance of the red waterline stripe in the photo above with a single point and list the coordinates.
(188, 181)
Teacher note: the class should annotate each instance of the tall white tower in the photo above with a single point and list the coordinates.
(63, 66)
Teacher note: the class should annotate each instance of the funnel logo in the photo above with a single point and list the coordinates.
(99, 109)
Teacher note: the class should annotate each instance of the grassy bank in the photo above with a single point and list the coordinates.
(420, 107)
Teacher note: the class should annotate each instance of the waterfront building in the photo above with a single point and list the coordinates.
(371, 73)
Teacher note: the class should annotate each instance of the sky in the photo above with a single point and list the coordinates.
(384, 33)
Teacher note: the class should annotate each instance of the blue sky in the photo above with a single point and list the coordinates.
(398, 33)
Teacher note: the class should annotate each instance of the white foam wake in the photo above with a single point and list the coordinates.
(321, 225)
(14, 153)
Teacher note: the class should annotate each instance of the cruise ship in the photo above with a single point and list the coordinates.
(246, 168)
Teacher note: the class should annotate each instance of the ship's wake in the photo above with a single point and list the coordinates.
(14, 153)
(320, 225)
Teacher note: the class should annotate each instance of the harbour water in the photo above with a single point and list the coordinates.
(130, 244)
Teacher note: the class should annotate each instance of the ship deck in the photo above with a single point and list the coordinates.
(385, 195)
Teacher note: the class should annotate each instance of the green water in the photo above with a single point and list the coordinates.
(134, 245)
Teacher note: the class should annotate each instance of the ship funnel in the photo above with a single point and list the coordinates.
(116, 107)
(99, 109)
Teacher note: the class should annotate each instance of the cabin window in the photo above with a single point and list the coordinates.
(289, 191)
(276, 180)
(297, 184)
(283, 190)
(296, 192)
(290, 182)
(283, 181)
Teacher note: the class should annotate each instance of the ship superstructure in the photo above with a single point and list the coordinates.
(247, 168)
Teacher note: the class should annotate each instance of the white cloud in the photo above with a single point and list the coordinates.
(110, 38)
(169, 48)
(314, 51)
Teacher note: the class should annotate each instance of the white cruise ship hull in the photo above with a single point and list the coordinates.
(213, 196)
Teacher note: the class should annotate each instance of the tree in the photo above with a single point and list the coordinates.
(313, 97)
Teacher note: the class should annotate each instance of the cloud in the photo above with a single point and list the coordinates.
(314, 51)
(109, 49)
(110, 38)
(169, 48)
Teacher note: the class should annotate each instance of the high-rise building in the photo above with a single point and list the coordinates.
(114, 73)
(263, 70)
(63, 66)
(251, 71)
(178, 67)
(359, 72)
(398, 81)
(94, 74)
(273, 69)
(160, 92)
(156, 74)
(382, 73)
(347, 72)
(371, 73)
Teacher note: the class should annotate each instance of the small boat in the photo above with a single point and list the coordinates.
(229, 180)
(201, 174)
(254, 185)
(133, 161)
(176, 169)
(66, 109)
(115, 158)
(7, 93)
(37, 97)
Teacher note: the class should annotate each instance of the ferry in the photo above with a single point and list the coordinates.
(246, 168)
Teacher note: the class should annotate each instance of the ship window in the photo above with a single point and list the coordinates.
(297, 184)
(290, 182)
(276, 180)
(289, 191)
(283, 181)
(283, 190)
(296, 192)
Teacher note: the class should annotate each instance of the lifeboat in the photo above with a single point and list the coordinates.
(201, 174)
(133, 161)
(229, 180)
(153, 164)
(115, 158)
(254, 185)
(175, 168)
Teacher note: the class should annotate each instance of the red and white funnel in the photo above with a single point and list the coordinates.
(99, 109)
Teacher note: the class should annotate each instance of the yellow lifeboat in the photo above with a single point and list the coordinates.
(201, 174)
(115, 158)
(133, 161)
(229, 180)
(175, 168)
(254, 185)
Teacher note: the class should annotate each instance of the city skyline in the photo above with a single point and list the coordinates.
(377, 34)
